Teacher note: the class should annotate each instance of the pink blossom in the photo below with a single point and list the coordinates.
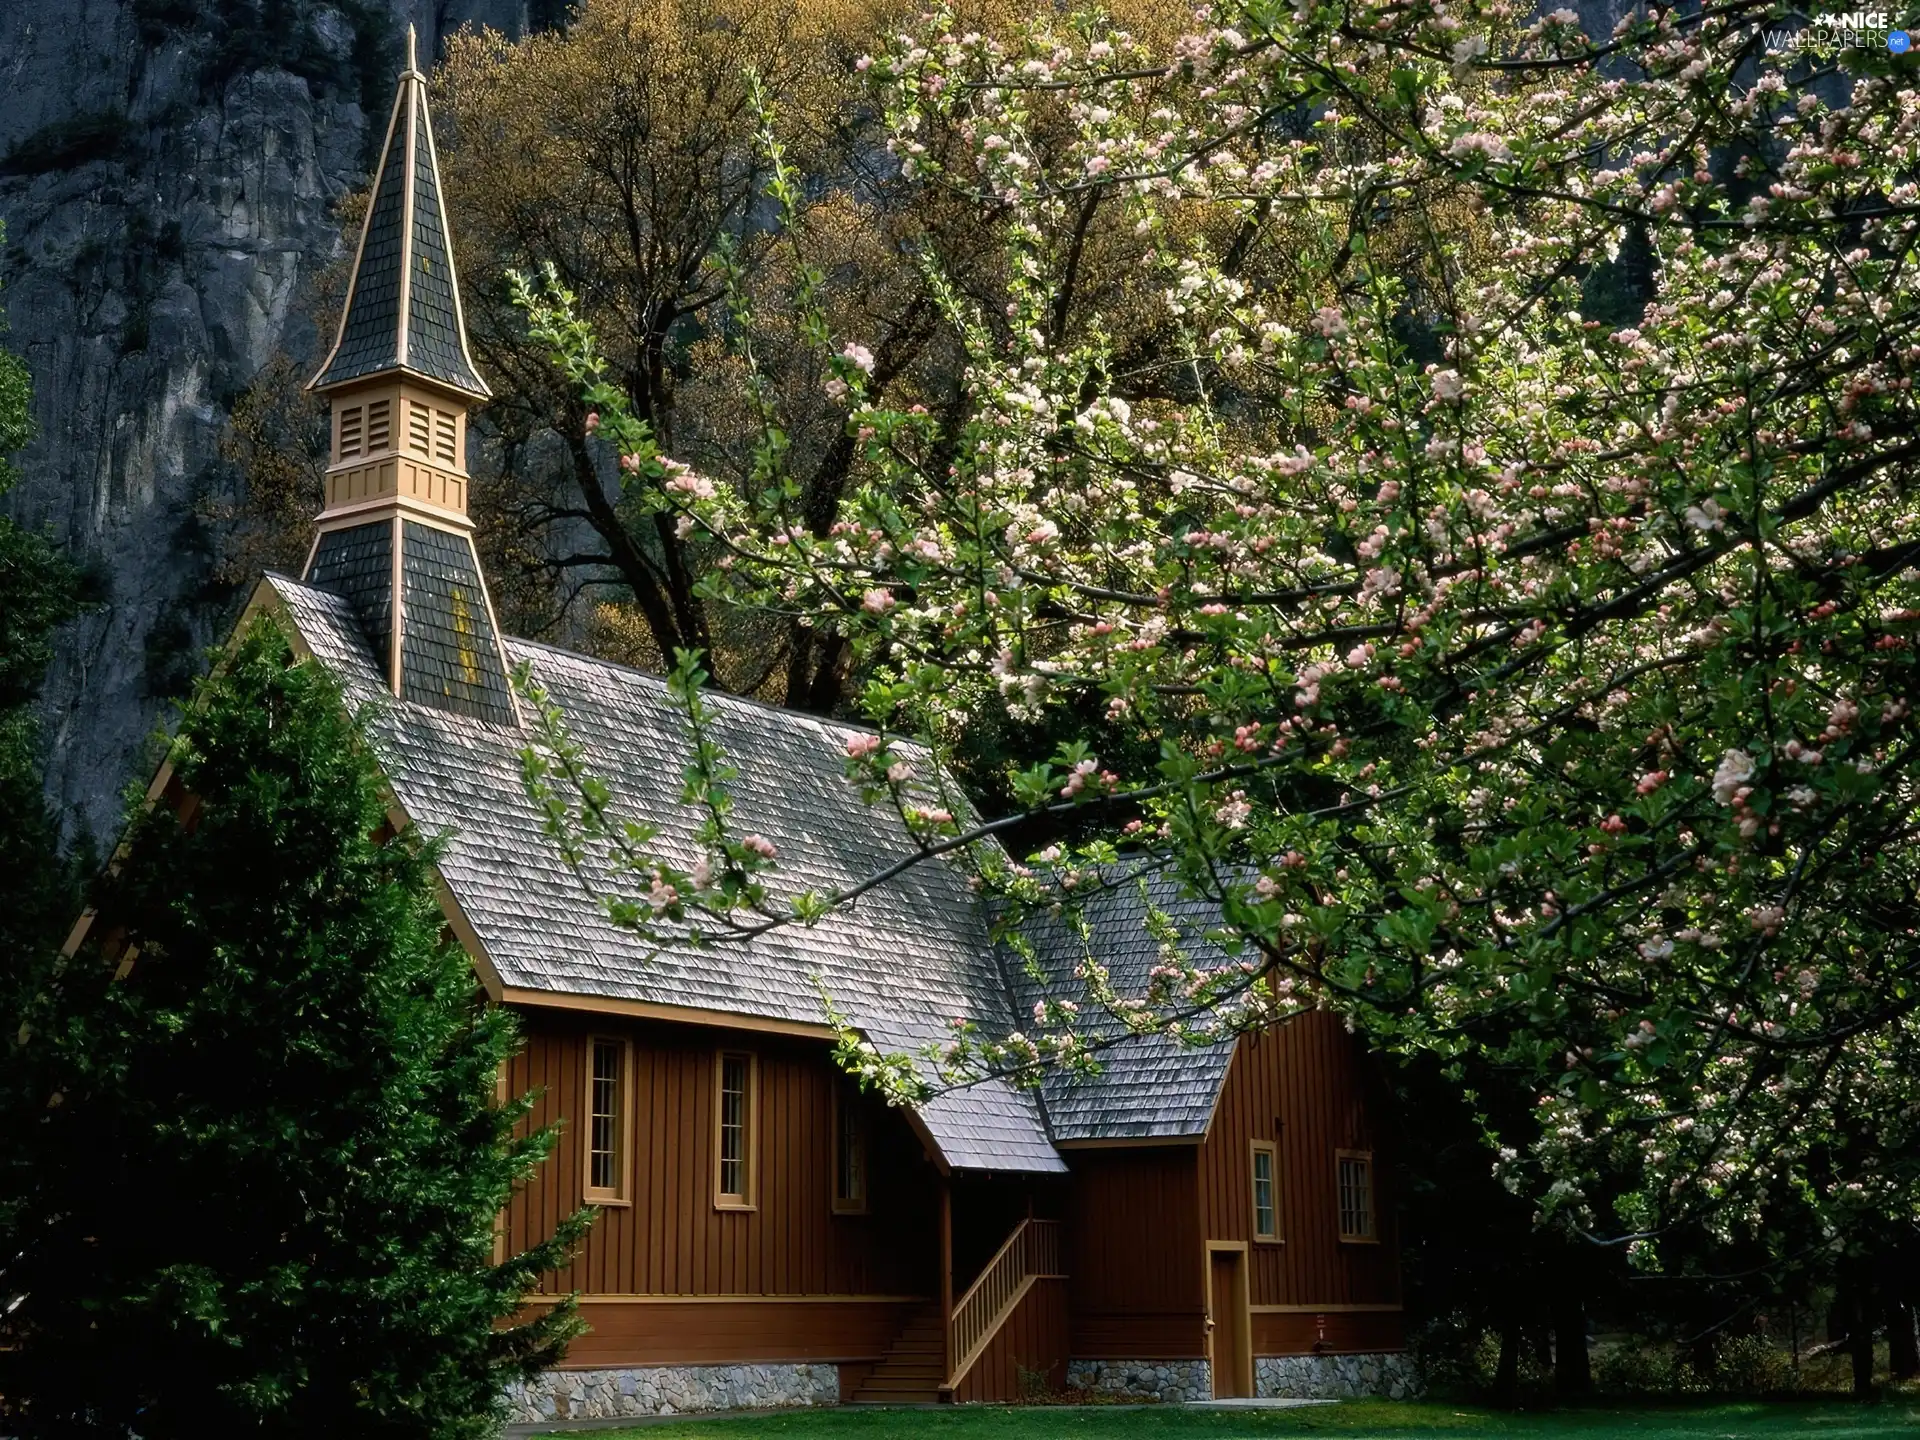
(759, 845)
(877, 601)
(1735, 769)
(859, 747)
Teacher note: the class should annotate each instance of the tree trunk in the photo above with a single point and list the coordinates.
(1903, 1348)
(1853, 1308)
(1572, 1371)
(1506, 1379)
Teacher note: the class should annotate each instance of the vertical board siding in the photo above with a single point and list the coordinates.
(1134, 1254)
(734, 1332)
(1304, 1086)
(1297, 1332)
(1028, 1355)
(670, 1239)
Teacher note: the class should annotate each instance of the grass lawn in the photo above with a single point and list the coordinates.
(1360, 1420)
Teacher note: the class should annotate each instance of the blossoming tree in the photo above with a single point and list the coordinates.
(1521, 613)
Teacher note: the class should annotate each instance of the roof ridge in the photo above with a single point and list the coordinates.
(751, 701)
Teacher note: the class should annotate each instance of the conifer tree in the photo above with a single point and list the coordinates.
(272, 1155)
(39, 589)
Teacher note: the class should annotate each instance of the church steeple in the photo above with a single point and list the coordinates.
(394, 537)
(403, 306)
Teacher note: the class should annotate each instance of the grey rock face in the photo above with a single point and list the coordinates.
(168, 176)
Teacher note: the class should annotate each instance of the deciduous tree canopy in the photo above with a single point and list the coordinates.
(1512, 592)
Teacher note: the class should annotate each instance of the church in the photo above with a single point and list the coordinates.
(1191, 1223)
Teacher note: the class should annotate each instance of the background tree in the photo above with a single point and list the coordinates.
(268, 1147)
(39, 894)
(39, 588)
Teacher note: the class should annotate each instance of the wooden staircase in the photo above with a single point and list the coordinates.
(914, 1369)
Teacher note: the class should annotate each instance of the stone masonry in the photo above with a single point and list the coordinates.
(1389, 1375)
(669, 1390)
(1172, 1381)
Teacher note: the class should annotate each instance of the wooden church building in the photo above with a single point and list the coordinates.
(1191, 1223)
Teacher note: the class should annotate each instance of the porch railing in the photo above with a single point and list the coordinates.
(1031, 1252)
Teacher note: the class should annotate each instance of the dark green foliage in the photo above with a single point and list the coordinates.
(264, 1201)
(39, 589)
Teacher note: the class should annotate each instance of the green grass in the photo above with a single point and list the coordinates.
(1360, 1420)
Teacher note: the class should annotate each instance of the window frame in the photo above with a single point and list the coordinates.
(746, 1197)
(621, 1192)
(1364, 1159)
(1272, 1151)
(847, 1106)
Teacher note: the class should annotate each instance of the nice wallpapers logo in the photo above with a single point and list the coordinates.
(1849, 28)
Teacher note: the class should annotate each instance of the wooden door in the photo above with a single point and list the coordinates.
(1229, 1348)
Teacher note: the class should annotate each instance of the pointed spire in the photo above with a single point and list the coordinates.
(403, 302)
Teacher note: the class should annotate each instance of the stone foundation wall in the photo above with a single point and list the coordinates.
(1387, 1375)
(1168, 1380)
(669, 1390)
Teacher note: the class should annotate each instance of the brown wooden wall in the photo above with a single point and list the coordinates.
(1029, 1351)
(1135, 1259)
(671, 1240)
(1304, 1086)
(1295, 1332)
(716, 1332)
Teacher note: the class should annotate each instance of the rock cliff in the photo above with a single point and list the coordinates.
(169, 171)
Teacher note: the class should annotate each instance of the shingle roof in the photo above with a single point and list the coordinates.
(372, 337)
(433, 323)
(356, 562)
(448, 656)
(1150, 1086)
(901, 962)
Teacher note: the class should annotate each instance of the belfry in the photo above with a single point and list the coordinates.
(394, 538)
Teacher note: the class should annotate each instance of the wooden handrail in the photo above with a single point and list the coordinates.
(1031, 1252)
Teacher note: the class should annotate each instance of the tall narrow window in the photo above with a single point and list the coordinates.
(607, 1107)
(733, 1181)
(849, 1153)
(1356, 1194)
(419, 428)
(377, 426)
(1266, 1211)
(350, 432)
